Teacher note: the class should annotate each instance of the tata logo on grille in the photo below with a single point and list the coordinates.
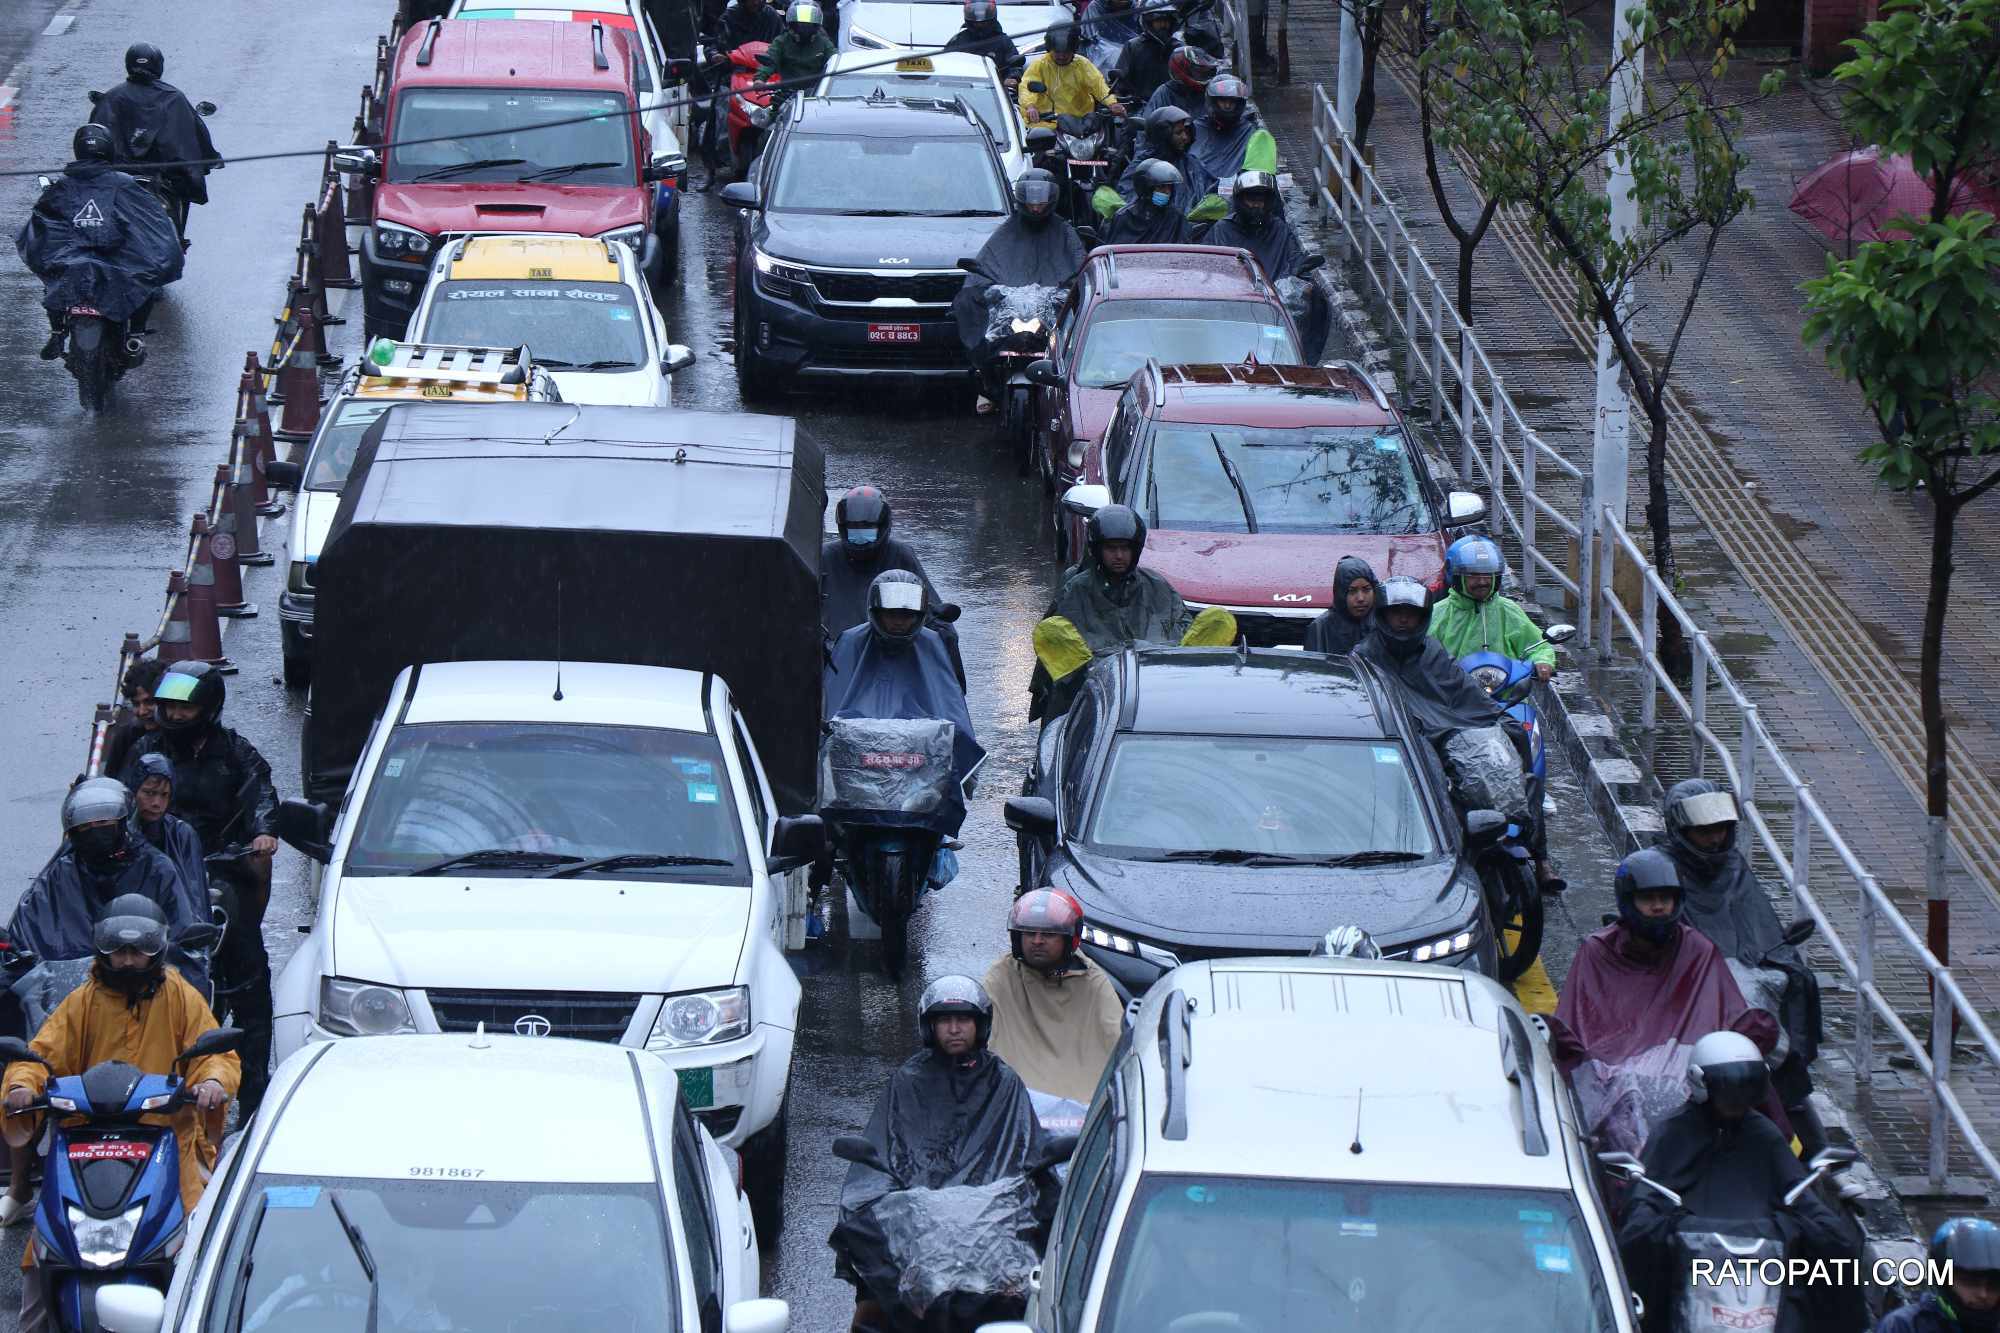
(533, 1025)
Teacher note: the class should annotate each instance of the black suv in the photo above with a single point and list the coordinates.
(849, 234)
(1210, 803)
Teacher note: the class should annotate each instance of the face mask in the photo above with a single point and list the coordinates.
(862, 536)
(1161, 198)
(98, 848)
(1654, 929)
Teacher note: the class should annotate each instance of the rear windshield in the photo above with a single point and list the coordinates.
(565, 325)
(1124, 335)
(839, 174)
(475, 134)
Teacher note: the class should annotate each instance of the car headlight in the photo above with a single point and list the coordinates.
(103, 1242)
(398, 242)
(1105, 939)
(362, 1008)
(777, 277)
(632, 238)
(1443, 947)
(701, 1018)
(298, 579)
(868, 41)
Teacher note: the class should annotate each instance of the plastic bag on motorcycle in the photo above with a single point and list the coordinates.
(886, 770)
(1764, 988)
(1622, 1102)
(1741, 1301)
(1485, 771)
(101, 241)
(46, 986)
(1030, 304)
(968, 1245)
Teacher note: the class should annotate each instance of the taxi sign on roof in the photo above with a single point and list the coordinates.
(915, 65)
(610, 17)
(555, 258)
(435, 370)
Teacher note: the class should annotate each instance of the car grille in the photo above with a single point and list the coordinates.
(893, 356)
(855, 288)
(1270, 631)
(585, 1015)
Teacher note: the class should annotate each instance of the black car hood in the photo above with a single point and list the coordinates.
(888, 244)
(1284, 909)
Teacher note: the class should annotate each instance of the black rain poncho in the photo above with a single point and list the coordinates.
(1435, 687)
(1334, 631)
(1110, 614)
(182, 845)
(1275, 245)
(1139, 223)
(56, 916)
(939, 1123)
(1142, 67)
(1221, 150)
(1191, 100)
(1017, 254)
(100, 238)
(154, 122)
(843, 588)
(868, 678)
(1728, 1172)
(993, 43)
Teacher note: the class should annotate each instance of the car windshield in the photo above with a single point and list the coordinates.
(1282, 796)
(447, 1255)
(601, 132)
(1234, 1252)
(827, 173)
(1124, 335)
(979, 94)
(333, 452)
(566, 325)
(1295, 479)
(555, 793)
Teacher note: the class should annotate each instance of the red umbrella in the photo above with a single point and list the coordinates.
(1856, 196)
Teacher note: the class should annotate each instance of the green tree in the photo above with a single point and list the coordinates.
(1914, 320)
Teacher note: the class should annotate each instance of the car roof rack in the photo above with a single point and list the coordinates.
(429, 45)
(597, 57)
(1354, 368)
(1111, 270)
(1258, 278)
(443, 363)
(1517, 1062)
(1157, 379)
(1176, 1054)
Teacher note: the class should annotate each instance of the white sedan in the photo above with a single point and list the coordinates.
(885, 25)
(943, 76)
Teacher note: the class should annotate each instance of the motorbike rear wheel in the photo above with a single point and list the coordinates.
(1516, 904)
(89, 360)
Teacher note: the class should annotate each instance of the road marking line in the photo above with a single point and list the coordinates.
(59, 25)
(7, 93)
(1534, 990)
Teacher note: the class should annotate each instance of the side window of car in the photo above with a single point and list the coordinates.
(1093, 1182)
(704, 1248)
(1078, 733)
(1118, 441)
(1066, 330)
(751, 780)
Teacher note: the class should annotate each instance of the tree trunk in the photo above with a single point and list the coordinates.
(1937, 773)
(1364, 93)
(1656, 488)
(1467, 245)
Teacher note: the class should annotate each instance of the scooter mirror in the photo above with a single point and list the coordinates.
(968, 264)
(196, 938)
(1484, 826)
(212, 1042)
(1034, 86)
(1801, 930)
(1559, 633)
(204, 108)
(759, 1316)
(947, 612)
(1832, 1157)
(95, 97)
(854, 1148)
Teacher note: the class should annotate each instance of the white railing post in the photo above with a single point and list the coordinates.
(1607, 563)
(1943, 1019)
(1586, 571)
(1864, 982)
(1649, 653)
(1746, 760)
(1529, 573)
(1437, 353)
(1465, 408)
(1698, 705)
(1801, 848)
(1496, 471)
(1412, 310)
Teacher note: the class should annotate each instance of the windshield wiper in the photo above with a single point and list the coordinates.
(568, 169)
(611, 364)
(1244, 856)
(453, 168)
(362, 1255)
(870, 212)
(496, 858)
(1236, 480)
(632, 860)
(241, 1287)
(959, 213)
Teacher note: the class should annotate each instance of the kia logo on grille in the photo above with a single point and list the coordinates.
(1291, 597)
(533, 1025)
(886, 260)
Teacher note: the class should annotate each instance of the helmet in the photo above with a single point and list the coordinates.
(1204, 34)
(130, 921)
(1035, 193)
(803, 17)
(1156, 174)
(1048, 910)
(863, 510)
(896, 590)
(1161, 122)
(93, 143)
(1149, 10)
(192, 682)
(982, 11)
(954, 995)
(1251, 187)
(1402, 590)
(1114, 523)
(1191, 67)
(144, 62)
(1227, 97)
(1968, 1244)
(1728, 1072)
(1061, 38)
(95, 800)
(1696, 803)
(1347, 942)
(1118, 6)
(1649, 869)
(1472, 555)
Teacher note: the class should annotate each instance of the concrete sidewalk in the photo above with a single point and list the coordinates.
(1810, 576)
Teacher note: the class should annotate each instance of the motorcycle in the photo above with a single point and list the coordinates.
(1020, 330)
(750, 108)
(99, 352)
(176, 204)
(110, 1212)
(1080, 151)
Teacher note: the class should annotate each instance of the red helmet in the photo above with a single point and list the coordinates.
(1192, 67)
(1050, 910)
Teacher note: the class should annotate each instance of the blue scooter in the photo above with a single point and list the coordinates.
(110, 1212)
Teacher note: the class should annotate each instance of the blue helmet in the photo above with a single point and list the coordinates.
(1969, 1244)
(1473, 555)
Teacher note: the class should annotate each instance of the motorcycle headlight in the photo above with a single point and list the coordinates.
(760, 116)
(103, 1242)
(701, 1018)
(362, 1008)
(1443, 947)
(398, 242)
(1489, 678)
(632, 238)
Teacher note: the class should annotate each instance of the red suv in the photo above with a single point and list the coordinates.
(592, 177)
(1256, 479)
(1135, 303)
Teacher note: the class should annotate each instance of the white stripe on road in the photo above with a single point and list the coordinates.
(7, 92)
(59, 25)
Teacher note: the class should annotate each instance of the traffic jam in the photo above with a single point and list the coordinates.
(598, 962)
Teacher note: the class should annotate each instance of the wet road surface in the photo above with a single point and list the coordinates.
(93, 513)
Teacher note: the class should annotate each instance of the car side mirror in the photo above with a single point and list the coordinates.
(759, 1316)
(1086, 500)
(356, 162)
(95, 97)
(678, 69)
(308, 826)
(796, 840)
(1484, 826)
(1044, 373)
(969, 264)
(1559, 633)
(741, 194)
(204, 108)
(1033, 815)
(130, 1308)
(1309, 263)
(212, 1042)
(676, 359)
(1462, 509)
(285, 475)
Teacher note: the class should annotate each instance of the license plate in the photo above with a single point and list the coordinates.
(1087, 162)
(113, 1150)
(86, 310)
(895, 333)
(698, 1088)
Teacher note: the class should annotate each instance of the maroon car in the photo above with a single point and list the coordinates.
(1256, 479)
(1134, 303)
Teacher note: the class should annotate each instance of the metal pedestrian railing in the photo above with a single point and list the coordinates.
(1498, 445)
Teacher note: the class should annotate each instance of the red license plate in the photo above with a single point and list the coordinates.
(86, 310)
(895, 333)
(111, 1150)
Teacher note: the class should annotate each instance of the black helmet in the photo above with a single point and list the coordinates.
(192, 682)
(1149, 10)
(130, 921)
(862, 516)
(1161, 122)
(1227, 96)
(1648, 869)
(1191, 67)
(1115, 523)
(1204, 34)
(955, 995)
(1156, 174)
(144, 62)
(1698, 803)
(896, 590)
(1035, 194)
(1255, 197)
(1402, 590)
(1727, 1071)
(982, 12)
(93, 143)
(1061, 38)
